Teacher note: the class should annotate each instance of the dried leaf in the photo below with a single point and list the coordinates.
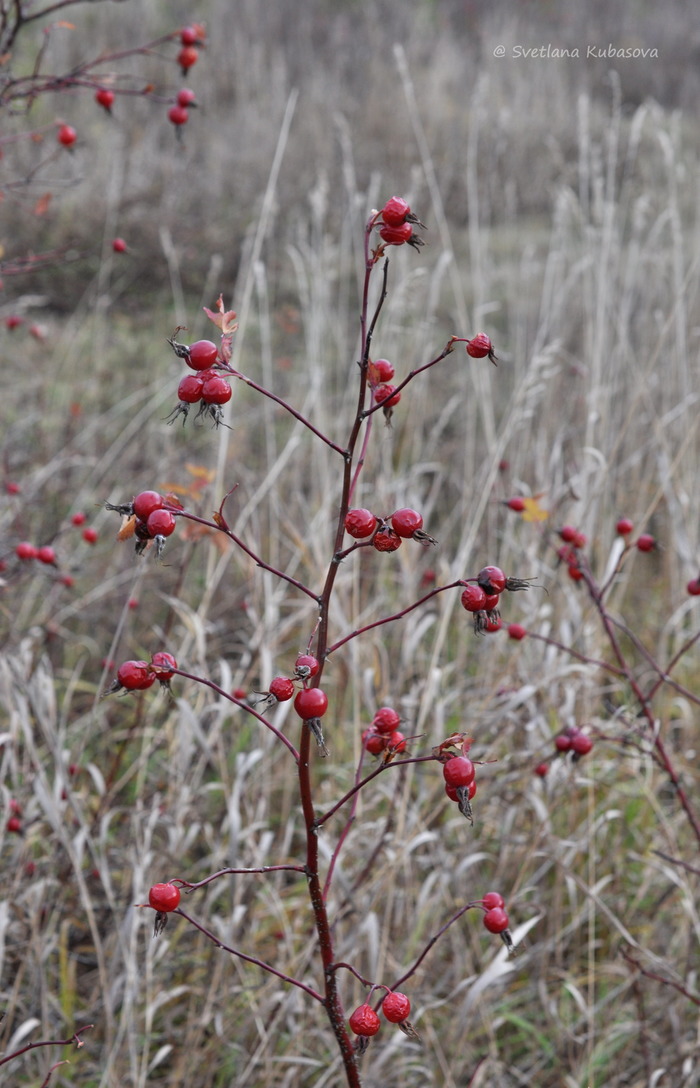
(533, 511)
(225, 319)
(42, 205)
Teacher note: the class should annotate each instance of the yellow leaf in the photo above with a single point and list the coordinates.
(533, 511)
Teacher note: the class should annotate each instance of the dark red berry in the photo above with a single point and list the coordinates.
(396, 1007)
(190, 388)
(451, 791)
(187, 56)
(568, 534)
(581, 744)
(311, 703)
(473, 598)
(374, 742)
(542, 770)
(202, 354)
(90, 535)
(135, 675)
(146, 502)
(104, 98)
(396, 741)
(386, 540)
(517, 504)
(516, 631)
(386, 395)
(646, 542)
(216, 390)
(282, 688)
(496, 920)
(491, 579)
(305, 666)
(480, 346)
(163, 663)
(360, 523)
(119, 245)
(186, 97)
(562, 742)
(458, 771)
(624, 527)
(381, 370)
(395, 212)
(79, 518)
(160, 523)
(406, 522)
(493, 899)
(189, 35)
(364, 1021)
(386, 720)
(47, 555)
(164, 897)
(693, 587)
(396, 236)
(66, 135)
(178, 115)
(14, 825)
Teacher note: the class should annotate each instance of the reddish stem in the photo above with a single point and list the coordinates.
(251, 959)
(48, 1042)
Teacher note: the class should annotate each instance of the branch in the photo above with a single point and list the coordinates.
(252, 959)
(49, 1042)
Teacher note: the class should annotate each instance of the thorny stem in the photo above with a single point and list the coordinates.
(237, 872)
(332, 1002)
(250, 959)
(242, 704)
(287, 407)
(361, 783)
(391, 619)
(49, 1042)
(412, 374)
(37, 84)
(643, 700)
(660, 978)
(222, 526)
(433, 941)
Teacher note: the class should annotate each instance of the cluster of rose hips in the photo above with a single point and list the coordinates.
(384, 737)
(481, 597)
(14, 822)
(192, 38)
(396, 222)
(151, 519)
(46, 554)
(460, 781)
(310, 703)
(495, 917)
(573, 740)
(205, 387)
(379, 375)
(385, 534)
(139, 675)
(365, 1022)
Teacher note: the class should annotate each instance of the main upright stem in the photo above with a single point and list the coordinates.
(332, 1002)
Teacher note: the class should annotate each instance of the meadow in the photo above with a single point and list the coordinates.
(560, 198)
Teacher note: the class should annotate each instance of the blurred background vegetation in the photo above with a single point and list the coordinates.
(561, 200)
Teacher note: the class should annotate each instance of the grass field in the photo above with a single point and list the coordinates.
(562, 211)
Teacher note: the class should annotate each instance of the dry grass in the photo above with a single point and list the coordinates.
(565, 228)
